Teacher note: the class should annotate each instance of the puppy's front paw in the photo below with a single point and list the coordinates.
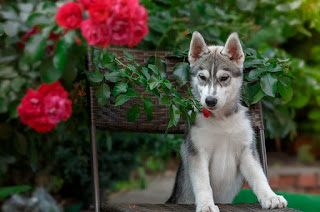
(276, 201)
(208, 208)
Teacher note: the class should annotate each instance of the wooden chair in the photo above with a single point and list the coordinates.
(114, 118)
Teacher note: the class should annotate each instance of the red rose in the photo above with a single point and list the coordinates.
(141, 13)
(95, 33)
(30, 106)
(55, 108)
(53, 89)
(41, 124)
(139, 31)
(69, 15)
(99, 11)
(120, 30)
(124, 8)
(46, 107)
(128, 24)
(87, 3)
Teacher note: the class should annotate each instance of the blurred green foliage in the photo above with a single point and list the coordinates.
(60, 160)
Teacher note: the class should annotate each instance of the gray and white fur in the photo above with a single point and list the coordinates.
(219, 151)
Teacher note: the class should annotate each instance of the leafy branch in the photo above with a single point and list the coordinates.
(152, 77)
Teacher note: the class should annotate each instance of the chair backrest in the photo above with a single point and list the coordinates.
(114, 118)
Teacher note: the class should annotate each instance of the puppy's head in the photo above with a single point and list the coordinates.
(216, 71)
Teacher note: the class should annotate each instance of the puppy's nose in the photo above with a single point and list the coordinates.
(211, 101)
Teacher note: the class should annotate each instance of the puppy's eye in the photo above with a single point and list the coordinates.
(224, 78)
(202, 77)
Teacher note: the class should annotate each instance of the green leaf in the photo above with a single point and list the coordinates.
(17, 83)
(193, 116)
(7, 72)
(247, 95)
(181, 73)
(38, 19)
(7, 191)
(252, 62)
(144, 82)
(258, 96)
(285, 80)
(184, 113)
(300, 100)
(106, 59)
(60, 57)
(314, 114)
(285, 91)
(174, 114)
(180, 102)
(114, 76)
(35, 48)
(25, 7)
(247, 5)
(148, 107)
(154, 82)
(160, 64)
(96, 77)
(49, 73)
(111, 66)
(121, 100)
(131, 67)
(274, 68)
(268, 84)
(165, 100)
(154, 69)
(128, 56)
(103, 93)
(9, 14)
(134, 112)
(120, 87)
(283, 60)
(167, 83)
(11, 28)
(132, 93)
(69, 37)
(1, 30)
(254, 74)
(145, 72)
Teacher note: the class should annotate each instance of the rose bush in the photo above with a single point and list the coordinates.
(115, 22)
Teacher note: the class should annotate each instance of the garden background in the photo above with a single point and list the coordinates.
(60, 159)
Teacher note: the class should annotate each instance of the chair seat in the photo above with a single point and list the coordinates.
(108, 207)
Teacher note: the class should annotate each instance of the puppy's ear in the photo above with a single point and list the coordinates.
(233, 50)
(197, 48)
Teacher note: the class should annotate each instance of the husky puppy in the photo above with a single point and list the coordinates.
(219, 151)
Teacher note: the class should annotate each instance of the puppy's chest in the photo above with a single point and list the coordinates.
(228, 136)
(223, 142)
